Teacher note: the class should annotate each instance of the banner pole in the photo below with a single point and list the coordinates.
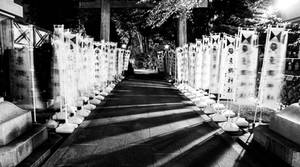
(31, 47)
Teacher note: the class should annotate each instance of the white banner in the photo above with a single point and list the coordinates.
(161, 64)
(185, 64)
(112, 60)
(126, 59)
(173, 63)
(105, 62)
(206, 61)
(69, 73)
(273, 66)
(247, 53)
(179, 62)
(98, 63)
(215, 62)
(191, 64)
(198, 64)
(120, 60)
(227, 72)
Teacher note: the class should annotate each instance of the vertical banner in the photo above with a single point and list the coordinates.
(110, 61)
(85, 61)
(102, 62)
(120, 61)
(205, 79)
(191, 64)
(105, 63)
(98, 54)
(126, 59)
(173, 64)
(215, 62)
(91, 64)
(179, 63)
(167, 62)
(160, 57)
(185, 65)
(75, 51)
(23, 83)
(247, 54)
(68, 78)
(113, 52)
(59, 64)
(273, 66)
(227, 72)
(198, 64)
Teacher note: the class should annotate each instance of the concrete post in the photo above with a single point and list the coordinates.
(182, 30)
(105, 20)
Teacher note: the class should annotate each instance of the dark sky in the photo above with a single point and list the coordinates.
(46, 13)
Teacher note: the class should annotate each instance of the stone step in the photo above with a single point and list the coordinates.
(278, 145)
(68, 153)
(39, 155)
(14, 121)
(124, 111)
(117, 119)
(156, 151)
(216, 152)
(183, 144)
(20, 148)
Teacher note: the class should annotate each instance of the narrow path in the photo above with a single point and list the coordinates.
(146, 122)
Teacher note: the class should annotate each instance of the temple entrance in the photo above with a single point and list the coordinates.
(210, 94)
(105, 7)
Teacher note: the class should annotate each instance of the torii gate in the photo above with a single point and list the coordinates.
(106, 5)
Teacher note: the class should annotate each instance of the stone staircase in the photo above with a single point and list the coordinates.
(149, 123)
(18, 135)
(139, 128)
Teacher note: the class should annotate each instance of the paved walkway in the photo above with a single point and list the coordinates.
(146, 122)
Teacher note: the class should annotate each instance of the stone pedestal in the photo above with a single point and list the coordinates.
(282, 137)
(287, 123)
(14, 121)
(285, 149)
(18, 136)
(16, 151)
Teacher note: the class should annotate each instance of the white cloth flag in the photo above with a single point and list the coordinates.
(98, 55)
(198, 64)
(247, 53)
(227, 72)
(179, 64)
(215, 62)
(191, 64)
(70, 71)
(120, 61)
(273, 66)
(126, 59)
(161, 64)
(172, 59)
(185, 63)
(111, 60)
(105, 63)
(205, 79)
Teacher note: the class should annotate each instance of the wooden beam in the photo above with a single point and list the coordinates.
(105, 20)
(130, 4)
(182, 30)
(115, 4)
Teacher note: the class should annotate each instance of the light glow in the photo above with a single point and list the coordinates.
(167, 47)
(284, 5)
(124, 46)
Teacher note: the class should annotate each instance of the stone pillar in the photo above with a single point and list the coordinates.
(105, 20)
(182, 30)
(6, 50)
